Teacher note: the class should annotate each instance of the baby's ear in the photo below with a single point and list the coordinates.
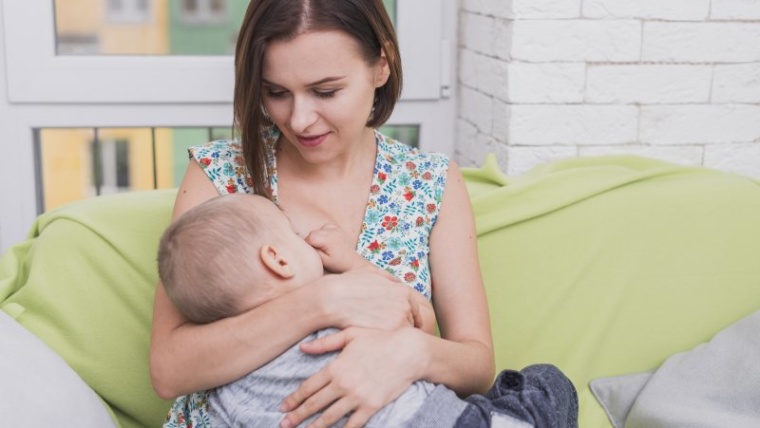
(275, 262)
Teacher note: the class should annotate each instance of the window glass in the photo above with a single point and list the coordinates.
(80, 163)
(77, 163)
(407, 134)
(151, 27)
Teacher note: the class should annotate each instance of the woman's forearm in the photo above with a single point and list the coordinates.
(465, 367)
(186, 357)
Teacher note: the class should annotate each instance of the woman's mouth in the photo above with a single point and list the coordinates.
(311, 141)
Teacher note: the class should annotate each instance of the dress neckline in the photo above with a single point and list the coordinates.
(271, 139)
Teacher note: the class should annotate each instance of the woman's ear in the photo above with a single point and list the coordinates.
(275, 262)
(383, 70)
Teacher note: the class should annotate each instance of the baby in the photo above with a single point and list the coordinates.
(235, 252)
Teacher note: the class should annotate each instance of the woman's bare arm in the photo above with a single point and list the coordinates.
(187, 357)
(464, 360)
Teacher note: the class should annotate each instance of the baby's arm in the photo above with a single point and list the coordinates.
(338, 256)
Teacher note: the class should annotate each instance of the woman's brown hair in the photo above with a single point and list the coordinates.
(269, 20)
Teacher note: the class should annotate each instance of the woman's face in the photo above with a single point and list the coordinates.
(319, 91)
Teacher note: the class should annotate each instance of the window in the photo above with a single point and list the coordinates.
(120, 11)
(204, 12)
(77, 163)
(162, 91)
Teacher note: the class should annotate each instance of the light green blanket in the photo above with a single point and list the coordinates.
(607, 266)
(602, 266)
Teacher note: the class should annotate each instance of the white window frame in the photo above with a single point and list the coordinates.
(41, 90)
(37, 74)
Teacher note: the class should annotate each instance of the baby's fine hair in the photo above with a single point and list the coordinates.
(208, 256)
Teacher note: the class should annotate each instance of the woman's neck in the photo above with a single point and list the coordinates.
(350, 161)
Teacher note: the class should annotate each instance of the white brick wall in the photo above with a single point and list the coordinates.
(648, 84)
(543, 125)
(735, 9)
(674, 10)
(677, 80)
(711, 42)
(576, 40)
(736, 83)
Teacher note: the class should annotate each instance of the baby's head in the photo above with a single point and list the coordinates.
(230, 254)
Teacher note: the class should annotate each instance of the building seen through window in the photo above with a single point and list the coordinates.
(79, 163)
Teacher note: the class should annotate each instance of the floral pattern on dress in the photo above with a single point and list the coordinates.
(223, 162)
(189, 411)
(404, 201)
(403, 205)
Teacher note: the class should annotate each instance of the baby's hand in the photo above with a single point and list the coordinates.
(335, 248)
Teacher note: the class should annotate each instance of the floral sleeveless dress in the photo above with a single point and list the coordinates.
(403, 205)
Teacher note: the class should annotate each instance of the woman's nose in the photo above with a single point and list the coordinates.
(303, 115)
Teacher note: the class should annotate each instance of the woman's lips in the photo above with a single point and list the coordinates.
(311, 141)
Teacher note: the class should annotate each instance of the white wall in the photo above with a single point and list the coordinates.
(677, 80)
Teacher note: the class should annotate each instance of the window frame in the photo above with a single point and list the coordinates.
(37, 75)
(41, 90)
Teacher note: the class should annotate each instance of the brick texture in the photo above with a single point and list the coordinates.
(677, 80)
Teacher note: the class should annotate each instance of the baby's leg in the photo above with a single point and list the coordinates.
(539, 396)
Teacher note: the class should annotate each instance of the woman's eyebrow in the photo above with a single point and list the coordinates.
(317, 83)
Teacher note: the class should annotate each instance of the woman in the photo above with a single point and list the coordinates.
(313, 80)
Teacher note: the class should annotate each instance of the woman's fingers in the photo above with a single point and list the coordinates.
(414, 308)
(312, 405)
(372, 370)
(308, 388)
(330, 343)
(358, 419)
(334, 413)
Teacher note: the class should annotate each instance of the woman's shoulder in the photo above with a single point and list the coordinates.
(228, 149)
(224, 164)
(394, 153)
(218, 149)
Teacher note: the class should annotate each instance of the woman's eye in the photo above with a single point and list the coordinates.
(326, 94)
(277, 94)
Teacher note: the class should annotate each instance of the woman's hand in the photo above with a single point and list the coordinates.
(370, 298)
(374, 368)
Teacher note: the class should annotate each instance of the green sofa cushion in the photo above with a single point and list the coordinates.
(607, 266)
(602, 266)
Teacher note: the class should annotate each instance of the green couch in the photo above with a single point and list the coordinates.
(601, 266)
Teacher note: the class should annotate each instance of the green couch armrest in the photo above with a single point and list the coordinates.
(83, 282)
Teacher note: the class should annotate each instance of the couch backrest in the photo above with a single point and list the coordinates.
(601, 266)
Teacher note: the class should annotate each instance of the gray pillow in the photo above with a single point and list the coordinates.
(617, 394)
(712, 385)
(38, 388)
